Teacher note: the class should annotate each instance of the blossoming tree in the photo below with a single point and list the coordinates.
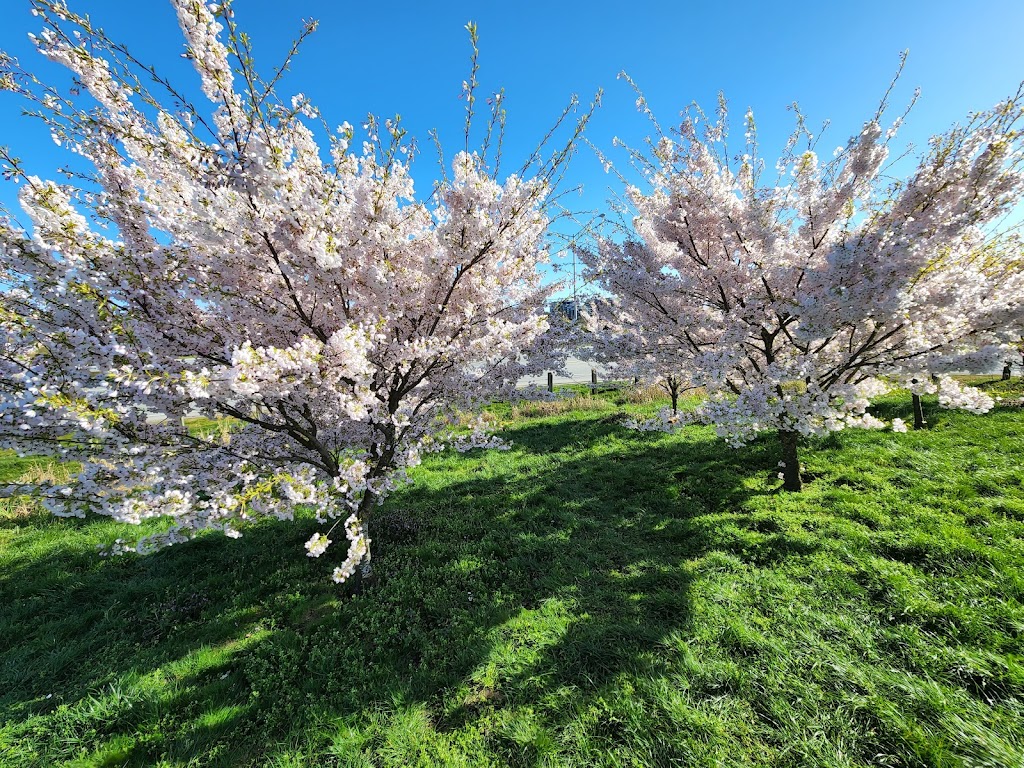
(213, 262)
(795, 300)
(608, 329)
(615, 333)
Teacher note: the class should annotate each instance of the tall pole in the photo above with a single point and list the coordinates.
(575, 299)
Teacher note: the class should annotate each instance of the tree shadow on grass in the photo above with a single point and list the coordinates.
(99, 649)
(550, 578)
(655, 512)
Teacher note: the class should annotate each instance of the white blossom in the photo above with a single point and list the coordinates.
(317, 545)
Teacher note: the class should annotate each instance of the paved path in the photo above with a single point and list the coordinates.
(579, 371)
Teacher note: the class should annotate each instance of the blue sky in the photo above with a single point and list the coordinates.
(411, 58)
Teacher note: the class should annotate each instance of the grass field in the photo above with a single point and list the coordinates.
(593, 597)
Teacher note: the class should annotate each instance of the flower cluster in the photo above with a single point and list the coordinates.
(953, 394)
(665, 421)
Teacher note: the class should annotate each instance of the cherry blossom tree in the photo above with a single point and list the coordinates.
(618, 334)
(795, 300)
(212, 261)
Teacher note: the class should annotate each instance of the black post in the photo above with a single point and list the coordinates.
(919, 420)
(551, 382)
(915, 399)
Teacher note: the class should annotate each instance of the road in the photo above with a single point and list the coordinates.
(579, 371)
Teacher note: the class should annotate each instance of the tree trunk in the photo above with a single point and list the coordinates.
(1006, 372)
(672, 385)
(791, 459)
(365, 577)
(919, 420)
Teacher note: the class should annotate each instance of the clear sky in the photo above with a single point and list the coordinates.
(411, 57)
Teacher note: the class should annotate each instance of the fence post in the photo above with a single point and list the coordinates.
(551, 382)
(593, 381)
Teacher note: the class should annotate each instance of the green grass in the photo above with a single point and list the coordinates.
(593, 597)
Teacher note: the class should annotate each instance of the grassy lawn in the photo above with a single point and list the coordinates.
(593, 597)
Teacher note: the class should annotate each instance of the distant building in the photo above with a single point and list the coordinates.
(570, 309)
(566, 309)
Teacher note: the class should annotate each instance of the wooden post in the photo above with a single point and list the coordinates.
(551, 382)
(593, 381)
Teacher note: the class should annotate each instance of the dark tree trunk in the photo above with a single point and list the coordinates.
(1006, 372)
(919, 420)
(791, 459)
(672, 384)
